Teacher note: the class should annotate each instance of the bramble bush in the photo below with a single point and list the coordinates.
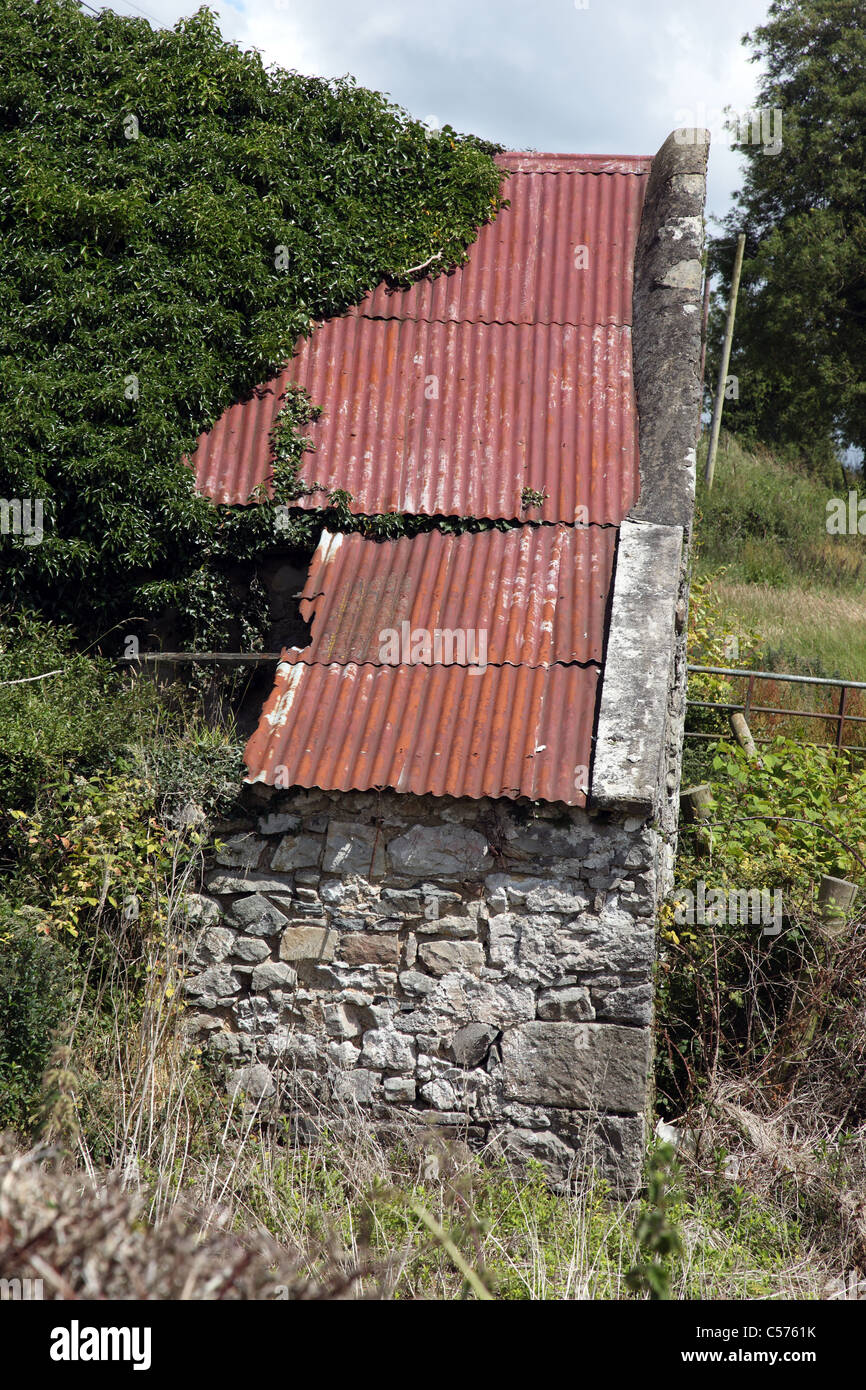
(108, 788)
(710, 631)
(732, 998)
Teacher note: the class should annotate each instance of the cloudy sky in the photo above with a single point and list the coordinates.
(588, 76)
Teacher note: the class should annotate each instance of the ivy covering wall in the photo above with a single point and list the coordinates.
(173, 216)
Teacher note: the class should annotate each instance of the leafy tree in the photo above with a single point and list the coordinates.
(173, 215)
(800, 338)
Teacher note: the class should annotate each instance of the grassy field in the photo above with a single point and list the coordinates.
(762, 532)
(776, 573)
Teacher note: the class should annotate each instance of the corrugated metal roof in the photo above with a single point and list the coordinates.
(508, 731)
(451, 420)
(456, 419)
(537, 593)
(527, 266)
(513, 371)
(450, 398)
(518, 724)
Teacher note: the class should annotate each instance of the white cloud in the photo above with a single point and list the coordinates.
(610, 78)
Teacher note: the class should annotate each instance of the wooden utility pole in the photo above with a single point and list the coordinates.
(723, 365)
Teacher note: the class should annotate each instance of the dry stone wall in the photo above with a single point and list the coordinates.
(484, 966)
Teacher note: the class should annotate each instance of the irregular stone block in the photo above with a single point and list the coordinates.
(363, 948)
(309, 876)
(308, 943)
(630, 1004)
(339, 1022)
(352, 848)
(338, 892)
(441, 957)
(256, 915)
(250, 949)
(217, 980)
(408, 904)
(202, 1023)
(200, 911)
(255, 1082)
(301, 1049)
(597, 1066)
(544, 841)
(414, 982)
(299, 908)
(618, 1149)
(557, 1004)
(481, 1001)
(248, 883)
(226, 1044)
(611, 943)
(241, 851)
(439, 1094)
(385, 1048)
(343, 1054)
(557, 896)
(545, 1148)
(502, 937)
(470, 1045)
(535, 949)
(213, 946)
(447, 851)
(357, 1087)
(278, 823)
(256, 1015)
(272, 975)
(399, 1090)
(296, 852)
(458, 928)
(434, 899)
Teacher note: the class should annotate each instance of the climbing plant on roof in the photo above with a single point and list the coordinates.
(173, 215)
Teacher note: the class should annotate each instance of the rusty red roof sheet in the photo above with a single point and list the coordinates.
(450, 420)
(511, 715)
(512, 372)
(507, 731)
(537, 593)
(456, 419)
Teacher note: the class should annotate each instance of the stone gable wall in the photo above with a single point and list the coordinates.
(484, 967)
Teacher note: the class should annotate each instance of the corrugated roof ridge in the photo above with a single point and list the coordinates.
(493, 323)
(579, 173)
(437, 665)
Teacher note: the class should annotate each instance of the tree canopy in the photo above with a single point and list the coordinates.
(800, 339)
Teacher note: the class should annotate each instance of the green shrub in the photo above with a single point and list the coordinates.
(35, 998)
(731, 995)
(78, 718)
